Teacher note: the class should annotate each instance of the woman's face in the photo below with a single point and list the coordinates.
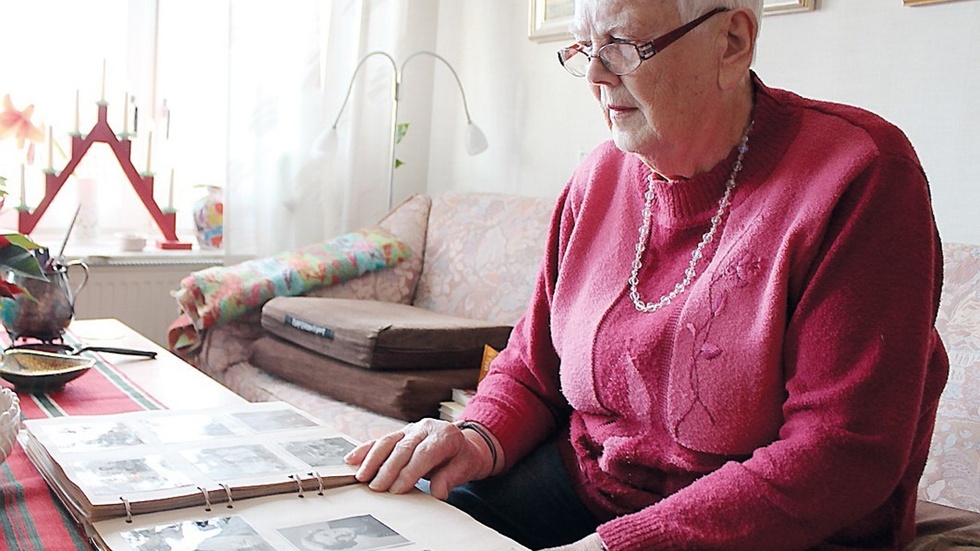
(657, 111)
(333, 538)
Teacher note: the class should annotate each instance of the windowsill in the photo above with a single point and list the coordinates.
(109, 252)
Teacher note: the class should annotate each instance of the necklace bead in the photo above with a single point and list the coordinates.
(698, 253)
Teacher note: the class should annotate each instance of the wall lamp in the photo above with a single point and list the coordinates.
(476, 142)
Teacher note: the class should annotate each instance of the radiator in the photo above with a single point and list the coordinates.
(136, 292)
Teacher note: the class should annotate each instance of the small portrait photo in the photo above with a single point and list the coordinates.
(269, 421)
(126, 476)
(230, 462)
(320, 452)
(187, 428)
(213, 534)
(94, 437)
(357, 533)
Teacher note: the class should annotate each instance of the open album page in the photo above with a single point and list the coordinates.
(352, 517)
(112, 465)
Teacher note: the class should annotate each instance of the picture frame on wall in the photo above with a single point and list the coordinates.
(772, 7)
(923, 2)
(548, 20)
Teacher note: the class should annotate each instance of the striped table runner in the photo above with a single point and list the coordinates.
(32, 518)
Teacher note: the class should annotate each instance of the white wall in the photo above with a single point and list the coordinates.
(916, 66)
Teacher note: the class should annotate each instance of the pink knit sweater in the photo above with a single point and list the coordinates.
(785, 400)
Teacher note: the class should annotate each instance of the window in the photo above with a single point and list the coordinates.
(164, 82)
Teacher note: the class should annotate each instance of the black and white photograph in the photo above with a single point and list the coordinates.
(125, 476)
(94, 437)
(187, 428)
(320, 452)
(236, 461)
(268, 421)
(356, 533)
(214, 534)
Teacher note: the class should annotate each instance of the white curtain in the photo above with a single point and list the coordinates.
(289, 71)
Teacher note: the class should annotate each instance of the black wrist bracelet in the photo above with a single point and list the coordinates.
(479, 430)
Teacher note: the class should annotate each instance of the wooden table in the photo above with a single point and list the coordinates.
(174, 383)
(30, 517)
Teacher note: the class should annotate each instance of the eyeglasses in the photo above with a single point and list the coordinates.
(622, 58)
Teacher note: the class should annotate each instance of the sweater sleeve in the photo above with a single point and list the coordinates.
(520, 399)
(863, 369)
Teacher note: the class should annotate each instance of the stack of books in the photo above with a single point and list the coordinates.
(451, 410)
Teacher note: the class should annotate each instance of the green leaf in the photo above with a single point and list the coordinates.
(400, 131)
(21, 240)
(398, 163)
(19, 260)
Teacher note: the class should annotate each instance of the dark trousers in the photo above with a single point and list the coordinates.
(533, 503)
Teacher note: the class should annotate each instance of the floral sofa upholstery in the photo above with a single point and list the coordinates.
(952, 474)
(476, 255)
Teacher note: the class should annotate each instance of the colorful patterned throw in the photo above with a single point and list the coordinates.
(220, 294)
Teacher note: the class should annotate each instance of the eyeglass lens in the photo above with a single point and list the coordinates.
(622, 58)
(616, 57)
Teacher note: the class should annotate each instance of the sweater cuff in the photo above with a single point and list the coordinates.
(637, 532)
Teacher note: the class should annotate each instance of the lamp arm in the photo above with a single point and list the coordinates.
(459, 83)
(350, 87)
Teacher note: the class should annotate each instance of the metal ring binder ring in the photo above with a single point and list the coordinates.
(319, 481)
(129, 511)
(227, 488)
(299, 484)
(207, 499)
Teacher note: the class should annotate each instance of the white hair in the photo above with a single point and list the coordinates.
(692, 9)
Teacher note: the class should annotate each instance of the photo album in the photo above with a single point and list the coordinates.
(255, 476)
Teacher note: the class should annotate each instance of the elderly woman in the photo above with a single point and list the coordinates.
(731, 343)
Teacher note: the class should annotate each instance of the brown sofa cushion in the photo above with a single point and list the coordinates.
(382, 335)
(942, 528)
(407, 395)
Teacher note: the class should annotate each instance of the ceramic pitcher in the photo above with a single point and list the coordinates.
(51, 305)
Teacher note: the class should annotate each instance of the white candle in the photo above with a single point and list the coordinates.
(126, 115)
(149, 149)
(23, 188)
(50, 147)
(102, 97)
(77, 98)
(170, 193)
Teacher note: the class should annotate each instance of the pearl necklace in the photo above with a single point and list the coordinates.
(698, 253)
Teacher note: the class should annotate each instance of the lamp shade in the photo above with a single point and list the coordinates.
(476, 142)
(325, 143)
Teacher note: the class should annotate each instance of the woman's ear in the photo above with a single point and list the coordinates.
(738, 47)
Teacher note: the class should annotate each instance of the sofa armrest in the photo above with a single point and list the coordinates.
(228, 344)
(409, 223)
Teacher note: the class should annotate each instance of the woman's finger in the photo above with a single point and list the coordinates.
(376, 455)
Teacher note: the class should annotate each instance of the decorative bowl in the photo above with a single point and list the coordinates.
(9, 422)
(37, 371)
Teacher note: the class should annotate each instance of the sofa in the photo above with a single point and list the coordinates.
(475, 255)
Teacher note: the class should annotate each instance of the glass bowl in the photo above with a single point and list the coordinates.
(9, 422)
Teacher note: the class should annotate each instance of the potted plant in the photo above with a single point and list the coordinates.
(16, 257)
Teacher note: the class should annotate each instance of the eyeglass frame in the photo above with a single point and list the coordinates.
(644, 50)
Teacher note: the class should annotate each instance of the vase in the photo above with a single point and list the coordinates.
(209, 217)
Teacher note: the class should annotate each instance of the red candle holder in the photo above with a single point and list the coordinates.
(142, 182)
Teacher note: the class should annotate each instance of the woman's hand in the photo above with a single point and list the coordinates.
(588, 543)
(431, 449)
